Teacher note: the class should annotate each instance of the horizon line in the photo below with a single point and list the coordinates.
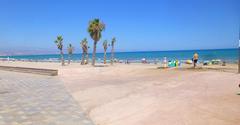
(122, 52)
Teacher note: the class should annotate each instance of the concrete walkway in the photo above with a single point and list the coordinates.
(27, 99)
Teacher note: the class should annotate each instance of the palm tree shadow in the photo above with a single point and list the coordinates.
(101, 65)
(162, 67)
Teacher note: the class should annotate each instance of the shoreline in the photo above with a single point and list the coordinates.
(230, 67)
(150, 61)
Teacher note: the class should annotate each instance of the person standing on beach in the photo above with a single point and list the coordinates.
(195, 59)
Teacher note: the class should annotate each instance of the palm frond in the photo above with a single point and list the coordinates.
(113, 40)
(95, 28)
(84, 44)
(59, 42)
(105, 44)
(70, 49)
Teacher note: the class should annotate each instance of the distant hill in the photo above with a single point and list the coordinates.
(26, 52)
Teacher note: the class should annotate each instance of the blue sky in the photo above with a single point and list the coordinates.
(138, 25)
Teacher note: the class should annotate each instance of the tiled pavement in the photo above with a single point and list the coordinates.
(27, 99)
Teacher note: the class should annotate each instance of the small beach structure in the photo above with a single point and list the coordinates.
(39, 71)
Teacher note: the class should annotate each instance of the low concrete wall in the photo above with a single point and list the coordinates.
(49, 72)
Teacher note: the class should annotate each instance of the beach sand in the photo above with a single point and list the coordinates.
(143, 94)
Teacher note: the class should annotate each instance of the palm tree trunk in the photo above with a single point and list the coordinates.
(82, 62)
(94, 53)
(62, 58)
(87, 57)
(69, 59)
(105, 56)
(112, 55)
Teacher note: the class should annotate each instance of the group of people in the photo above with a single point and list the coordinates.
(194, 60)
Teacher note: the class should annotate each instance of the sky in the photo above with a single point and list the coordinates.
(28, 26)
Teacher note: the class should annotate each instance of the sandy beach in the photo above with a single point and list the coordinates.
(143, 94)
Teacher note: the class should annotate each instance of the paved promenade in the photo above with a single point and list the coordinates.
(27, 99)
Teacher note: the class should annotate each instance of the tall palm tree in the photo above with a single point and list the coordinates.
(95, 29)
(70, 52)
(105, 46)
(112, 51)
(84, 45)
(59, 43)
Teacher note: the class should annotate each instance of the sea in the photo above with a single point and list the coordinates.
(227, 55)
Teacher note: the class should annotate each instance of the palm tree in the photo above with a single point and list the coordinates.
(59, 43)
(95, 29)
(84, 45)
(105, 46)
(112, 51)
(70, 52)
(87, 54)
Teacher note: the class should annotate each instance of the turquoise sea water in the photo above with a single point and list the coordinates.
(228, 55)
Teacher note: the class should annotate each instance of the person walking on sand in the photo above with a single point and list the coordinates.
(195, 59)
